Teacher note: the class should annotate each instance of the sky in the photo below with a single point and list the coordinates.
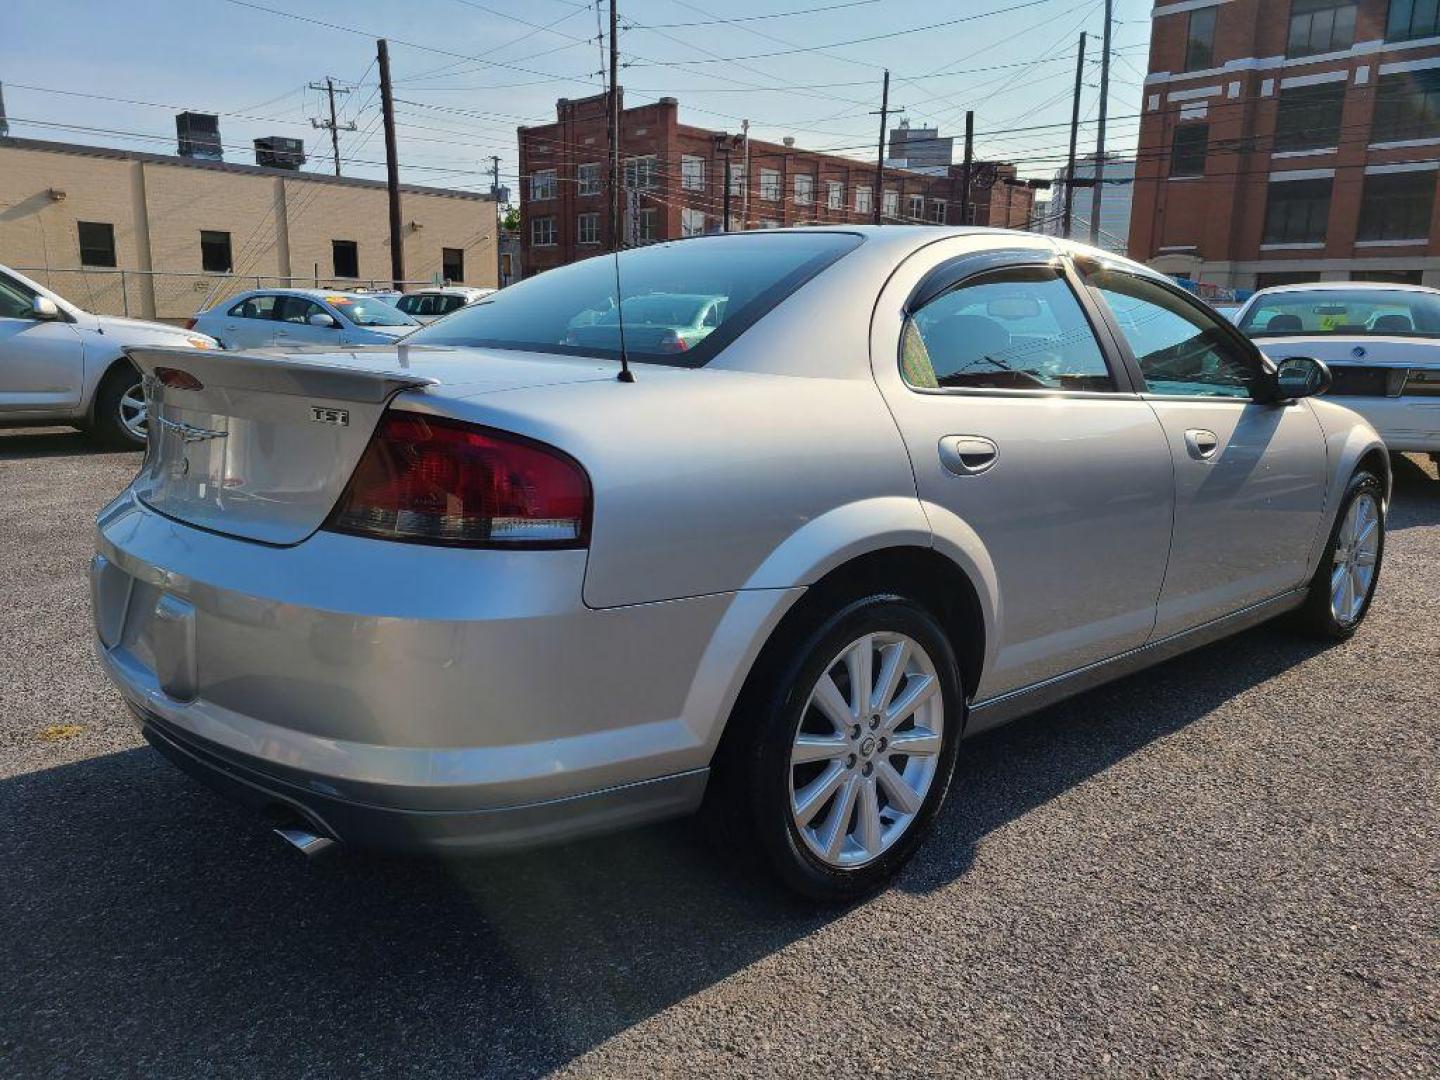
(467, 72)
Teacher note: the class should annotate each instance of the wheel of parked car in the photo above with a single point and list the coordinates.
(120, 415)
(1344, 584)
(841, 762)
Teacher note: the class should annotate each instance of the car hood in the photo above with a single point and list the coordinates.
(1367, 350)
(140, 332)
(387, 331)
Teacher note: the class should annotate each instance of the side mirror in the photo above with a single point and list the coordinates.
(1301, 376)
(45, 309)
(321, 319)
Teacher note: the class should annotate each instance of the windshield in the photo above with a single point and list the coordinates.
(369, 311)
(683, 301)
(1347, 312)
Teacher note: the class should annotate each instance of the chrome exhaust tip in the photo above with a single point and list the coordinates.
(304, 841)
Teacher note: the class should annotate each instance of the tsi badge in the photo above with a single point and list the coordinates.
(340, 417)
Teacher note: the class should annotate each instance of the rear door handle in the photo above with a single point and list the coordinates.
(968, 455)
(1201, 443)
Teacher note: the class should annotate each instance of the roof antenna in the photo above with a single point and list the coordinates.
(626, 375)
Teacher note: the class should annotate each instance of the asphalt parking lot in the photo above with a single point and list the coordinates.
(1228, 864)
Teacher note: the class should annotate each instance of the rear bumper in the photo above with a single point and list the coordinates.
(411, 697)
(457, 831)
(1406, 424)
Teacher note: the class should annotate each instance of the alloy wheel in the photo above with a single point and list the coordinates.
(134, 415)
(867, 749)
(1357, 552)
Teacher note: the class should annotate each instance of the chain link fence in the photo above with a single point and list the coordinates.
(175, 297)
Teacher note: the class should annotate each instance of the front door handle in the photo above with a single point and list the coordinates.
(1201, 443)
(968, 455)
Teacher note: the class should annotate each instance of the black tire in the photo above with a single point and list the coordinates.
(108, 428)
(1316, 618)
(750, 794)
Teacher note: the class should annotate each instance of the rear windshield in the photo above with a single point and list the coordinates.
(1347, 312)
(683, 302)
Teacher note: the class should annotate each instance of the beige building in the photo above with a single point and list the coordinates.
(154, 236)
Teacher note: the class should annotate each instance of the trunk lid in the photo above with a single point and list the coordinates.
(1367, 351)
(263, 446)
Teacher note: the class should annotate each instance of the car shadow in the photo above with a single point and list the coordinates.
(1416, 493)
(23, 443)
(152, 928)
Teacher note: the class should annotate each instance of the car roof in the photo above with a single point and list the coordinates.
(1345, 286)
(309, 294)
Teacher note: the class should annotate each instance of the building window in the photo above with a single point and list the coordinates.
(215, 251)
(1200, 40)
(1187, 151)
(590, 180)
(1298, 211)
(692, 222)
(97, 243)
(768, 224)
(1389, 277)
(1397, 206)
(648, 231)
(769, 184)
(587, 229)
(452, 264)
(937, 211)
(1410, 19)
(891, 206)
(1276, 278)
(804, 189)
(863, 205)
(640, 173)
(834, 195)
(692, 173)
(1320, 26)
(737, 175)
(542, 184)
(345, 258)
(542, 232)
(1309, 117)
(916, 204)
(1407, 106)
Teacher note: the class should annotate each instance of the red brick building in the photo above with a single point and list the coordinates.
(677, 175)
(1290, 140)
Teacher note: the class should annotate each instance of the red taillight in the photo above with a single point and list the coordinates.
(671, 342)
(190, 324)
(177, 379)
(427, 480)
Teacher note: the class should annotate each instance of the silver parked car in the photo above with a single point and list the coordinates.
(481, 591)
(266, 318)
(59, 364)
(1381, 342)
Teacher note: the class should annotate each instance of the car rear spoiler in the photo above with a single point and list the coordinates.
(281, 373)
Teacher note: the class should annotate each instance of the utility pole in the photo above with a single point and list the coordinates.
(880, 156)
(1067, 209)
(968, 167)
(723, 144)
(495, 189)
(1100, 134)
(392, 166)
(745, 194)
(332, 125)
(614, 132)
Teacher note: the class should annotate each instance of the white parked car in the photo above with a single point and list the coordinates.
(427, 305)
(1381, 342)
(60, 364)
(268, 318)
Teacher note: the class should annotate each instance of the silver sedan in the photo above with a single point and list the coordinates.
(498, 586)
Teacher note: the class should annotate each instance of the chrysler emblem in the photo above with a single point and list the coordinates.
(189, 432)
(1358, 352)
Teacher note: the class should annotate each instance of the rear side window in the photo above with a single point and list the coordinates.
(679, 302)
(1017, 329)
(254, 307)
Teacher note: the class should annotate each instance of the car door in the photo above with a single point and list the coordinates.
(292, 323)
(250, 322)
(42, 361)
(1249, 472)
(1020, 425)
